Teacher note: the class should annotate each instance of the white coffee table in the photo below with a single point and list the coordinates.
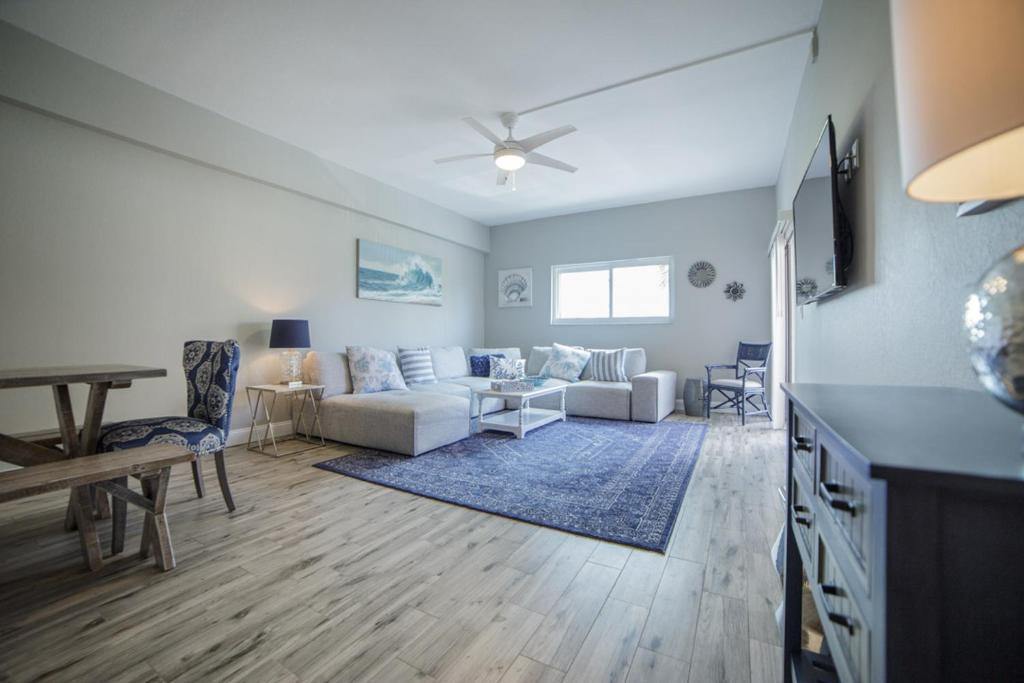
(519, 420)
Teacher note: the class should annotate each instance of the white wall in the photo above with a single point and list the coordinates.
(914, 262)
(114, 249)
(730, 230)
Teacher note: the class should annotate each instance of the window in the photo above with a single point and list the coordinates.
(631, 291)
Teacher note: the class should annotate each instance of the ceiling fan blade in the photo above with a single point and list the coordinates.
(460, 157)
(483, 130)
(534, 141)
(536, 158)
(502, 177)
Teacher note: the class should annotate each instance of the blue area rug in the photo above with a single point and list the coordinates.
(612, 480)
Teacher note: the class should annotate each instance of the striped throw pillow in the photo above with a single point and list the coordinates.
(609, 366)
(417, 368)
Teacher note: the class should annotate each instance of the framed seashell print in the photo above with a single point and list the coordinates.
(515, 287)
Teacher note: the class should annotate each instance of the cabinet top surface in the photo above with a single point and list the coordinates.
(901, 430)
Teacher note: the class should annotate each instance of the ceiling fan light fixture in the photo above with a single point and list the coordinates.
(509, 159)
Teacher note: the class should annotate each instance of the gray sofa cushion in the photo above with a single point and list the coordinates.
(330, 369)
(610, 400)
(588, 398)
(635, 363)
(654, 395)
(459, 386)
(551, 401)
(512, 352)
(449, 361)
(538, 357)
(407, 422)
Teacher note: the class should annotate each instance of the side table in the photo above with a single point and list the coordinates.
(265, 396)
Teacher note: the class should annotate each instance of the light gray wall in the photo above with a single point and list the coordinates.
(118, 250)
(49, 78)
(730, 230)
(915, 262)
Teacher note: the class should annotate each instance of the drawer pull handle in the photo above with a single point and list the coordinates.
(802, 443)
(830, 589)
(802, 521)
(826, 488)
(800, 508)
(842, 620)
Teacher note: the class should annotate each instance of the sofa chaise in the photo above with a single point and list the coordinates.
(430, 415)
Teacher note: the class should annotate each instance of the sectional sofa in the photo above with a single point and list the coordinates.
(430, 415)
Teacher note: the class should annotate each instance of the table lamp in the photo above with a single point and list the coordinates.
(959, 70)
(290, 335)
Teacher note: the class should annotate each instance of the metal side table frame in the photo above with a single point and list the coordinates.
(310, 394)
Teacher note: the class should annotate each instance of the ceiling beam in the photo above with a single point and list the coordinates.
(809, 31)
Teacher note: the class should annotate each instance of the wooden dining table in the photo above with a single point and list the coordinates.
(71, 440)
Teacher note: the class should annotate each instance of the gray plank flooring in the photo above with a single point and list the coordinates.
(320, 577)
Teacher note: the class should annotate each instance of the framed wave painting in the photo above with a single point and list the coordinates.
(388, 273)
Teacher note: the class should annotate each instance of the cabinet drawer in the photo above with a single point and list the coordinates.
(802, 444)
(851, 640)
(801, 509)
(846, 497)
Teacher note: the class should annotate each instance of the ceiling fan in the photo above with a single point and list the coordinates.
(510, 154)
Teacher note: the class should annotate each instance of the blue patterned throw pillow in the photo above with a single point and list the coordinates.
(565, 362)
(506, 368)
(480, 366)
(373, 370)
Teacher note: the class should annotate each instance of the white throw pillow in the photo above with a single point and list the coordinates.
(608, 366)
(417, 366)
(565, 362)
(373, 370)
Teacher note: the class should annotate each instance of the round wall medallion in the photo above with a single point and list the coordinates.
(806, 288)
(701, 274)
(734, 291)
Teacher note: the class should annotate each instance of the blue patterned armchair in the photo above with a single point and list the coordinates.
(746, 384)
(211, 370)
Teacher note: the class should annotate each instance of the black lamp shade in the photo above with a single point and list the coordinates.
(289, 334)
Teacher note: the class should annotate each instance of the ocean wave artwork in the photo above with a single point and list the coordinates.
(388, 273)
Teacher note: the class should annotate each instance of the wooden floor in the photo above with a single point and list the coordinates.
(318, 576)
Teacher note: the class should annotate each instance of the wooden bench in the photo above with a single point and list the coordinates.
(109, 472)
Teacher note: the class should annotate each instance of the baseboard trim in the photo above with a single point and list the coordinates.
(240, 435)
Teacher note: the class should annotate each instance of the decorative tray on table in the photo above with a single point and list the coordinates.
(523, 384)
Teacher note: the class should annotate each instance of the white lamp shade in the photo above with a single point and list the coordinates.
(959, 68)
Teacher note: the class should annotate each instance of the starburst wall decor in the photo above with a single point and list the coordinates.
(701, 274)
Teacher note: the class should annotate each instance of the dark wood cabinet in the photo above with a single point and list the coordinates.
(906, 522)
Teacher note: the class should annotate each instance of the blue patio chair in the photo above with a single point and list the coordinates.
(746, 384)
(211, 370)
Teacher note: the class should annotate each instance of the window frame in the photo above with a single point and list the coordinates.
(610, 266)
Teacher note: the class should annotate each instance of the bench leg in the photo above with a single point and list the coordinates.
(81, 506)
(222, 479)
(148, 487)
(119, 520)
(197, 478)
(156, 533)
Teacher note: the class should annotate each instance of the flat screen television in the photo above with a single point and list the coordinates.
(822, 235)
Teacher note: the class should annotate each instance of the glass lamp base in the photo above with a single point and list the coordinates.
(291, 367)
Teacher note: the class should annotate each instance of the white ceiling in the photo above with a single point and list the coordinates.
(380, 86)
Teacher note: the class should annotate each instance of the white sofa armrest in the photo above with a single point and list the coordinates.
(653, 395)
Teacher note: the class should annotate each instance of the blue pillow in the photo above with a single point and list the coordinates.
(480, 366)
